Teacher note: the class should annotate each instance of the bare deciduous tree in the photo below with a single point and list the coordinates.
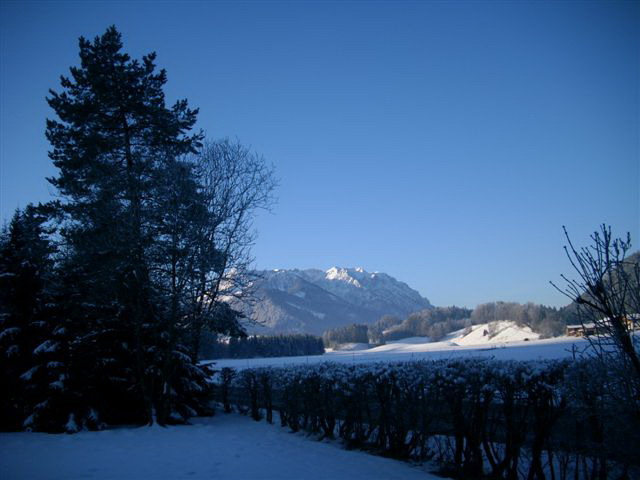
(236, 183)
(606, 295)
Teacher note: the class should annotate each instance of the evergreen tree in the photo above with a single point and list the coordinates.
(25, 277)
(176, 257)
(114, 142)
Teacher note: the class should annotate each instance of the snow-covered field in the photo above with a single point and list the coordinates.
(509, 342)
(222, 447)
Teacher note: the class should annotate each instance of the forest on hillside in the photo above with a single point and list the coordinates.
(437, 322)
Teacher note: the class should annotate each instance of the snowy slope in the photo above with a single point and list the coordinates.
(312, 301)
(224, 447)
(419, 348)
(494, 333)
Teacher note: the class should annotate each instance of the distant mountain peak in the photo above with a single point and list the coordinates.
(313, 300)
(344, 275)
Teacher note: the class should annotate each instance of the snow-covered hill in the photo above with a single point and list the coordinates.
(493, 335)
(312, 301)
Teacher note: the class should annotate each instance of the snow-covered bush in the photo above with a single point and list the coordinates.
(475, 417)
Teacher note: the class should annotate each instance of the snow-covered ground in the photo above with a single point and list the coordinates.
(222, 447)
(503, 341)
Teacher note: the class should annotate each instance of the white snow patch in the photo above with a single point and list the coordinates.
(71, 425)
(26, 376)
(9, 332)
(47, 346)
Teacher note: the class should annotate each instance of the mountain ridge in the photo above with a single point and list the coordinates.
(314, 300)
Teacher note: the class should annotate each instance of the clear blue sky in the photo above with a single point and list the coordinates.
(445, 143)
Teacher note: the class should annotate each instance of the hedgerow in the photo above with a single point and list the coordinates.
(475, 418)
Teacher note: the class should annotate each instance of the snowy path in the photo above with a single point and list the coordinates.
(222, 447)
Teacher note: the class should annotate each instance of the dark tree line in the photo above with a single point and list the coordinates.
(355, 333)
(292, 345)
(547, 321)
(106, 292)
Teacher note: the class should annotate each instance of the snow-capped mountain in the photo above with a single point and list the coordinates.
(312, 301)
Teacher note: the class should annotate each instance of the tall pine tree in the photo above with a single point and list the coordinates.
(114, 142)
